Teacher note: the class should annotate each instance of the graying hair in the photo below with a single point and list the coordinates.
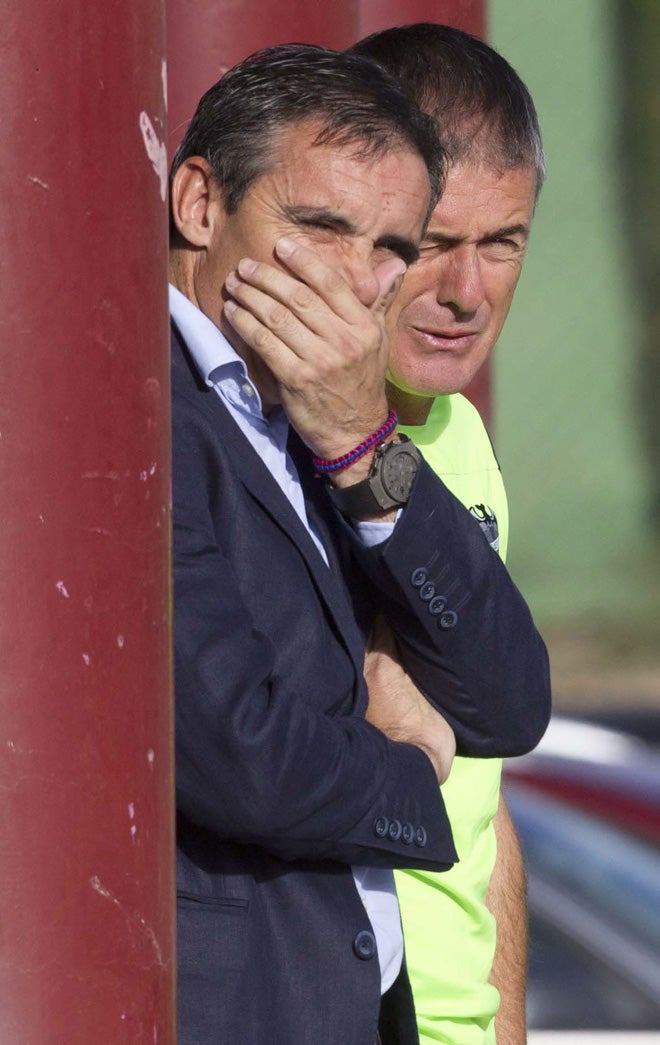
(482, 108)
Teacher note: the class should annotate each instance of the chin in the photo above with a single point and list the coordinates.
(444, 381)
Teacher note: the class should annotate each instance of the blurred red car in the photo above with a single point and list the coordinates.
(611, 774)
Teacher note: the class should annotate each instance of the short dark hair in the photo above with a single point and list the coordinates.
(482, 107)
(355, 101)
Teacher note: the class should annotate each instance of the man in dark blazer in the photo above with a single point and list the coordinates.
(298, 196)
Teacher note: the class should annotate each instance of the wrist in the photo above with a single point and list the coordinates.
(380, 486)
(333, 467)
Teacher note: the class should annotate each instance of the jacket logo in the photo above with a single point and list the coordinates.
(487, 520)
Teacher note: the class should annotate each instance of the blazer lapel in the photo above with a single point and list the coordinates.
(264, 489)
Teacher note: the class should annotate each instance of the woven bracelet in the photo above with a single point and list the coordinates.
(337, 464)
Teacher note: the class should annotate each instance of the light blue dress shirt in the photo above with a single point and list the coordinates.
(222, 369)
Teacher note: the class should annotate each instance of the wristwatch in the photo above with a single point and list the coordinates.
(388, 485)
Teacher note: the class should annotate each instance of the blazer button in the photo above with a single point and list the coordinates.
(381, 826)
(447, 620)
(364, 945)
(394, 832)
(420, 837)
(418, 577)
(437, 605)
(407, 834)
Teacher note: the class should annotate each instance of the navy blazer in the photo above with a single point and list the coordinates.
(281, 783)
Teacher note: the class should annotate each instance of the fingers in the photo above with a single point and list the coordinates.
(313, 290)
(283, 305)
(390, 277)
(287, 321)
(325, 348)
(326, 281)
(309, 288)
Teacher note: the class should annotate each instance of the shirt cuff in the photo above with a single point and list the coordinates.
(373, 533)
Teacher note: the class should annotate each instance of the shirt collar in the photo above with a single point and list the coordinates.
(219, 365)
(207, 344)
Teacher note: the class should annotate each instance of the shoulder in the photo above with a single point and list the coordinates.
(454, 439)
(466, 424)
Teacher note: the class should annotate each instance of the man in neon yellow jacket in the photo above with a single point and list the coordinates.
(443, 326)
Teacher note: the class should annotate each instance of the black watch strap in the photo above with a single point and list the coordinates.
(388, 485)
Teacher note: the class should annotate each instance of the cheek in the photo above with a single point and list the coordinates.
(410, 293)
(405, 359)
(499, 296)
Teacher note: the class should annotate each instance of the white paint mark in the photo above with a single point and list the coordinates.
(131, 816)
(136, 921)
(151, 757)
(37, 181)
(163, 76)
(100, 475)
(120, 641)
(41, 519)
(146, 473)
(86, 659)
(11, 745)
(61, 587)
(156, 152)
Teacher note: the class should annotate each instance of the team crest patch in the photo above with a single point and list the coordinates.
(487, 520)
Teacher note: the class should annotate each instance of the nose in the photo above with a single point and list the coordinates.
(461, 285)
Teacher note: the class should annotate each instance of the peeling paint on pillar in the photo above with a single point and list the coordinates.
(85, 688)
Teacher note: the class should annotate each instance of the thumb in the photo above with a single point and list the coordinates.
(389, 275)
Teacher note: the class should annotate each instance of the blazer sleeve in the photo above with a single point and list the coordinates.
(465, 633)
(258, 763)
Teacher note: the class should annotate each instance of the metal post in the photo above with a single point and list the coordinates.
(86, 864)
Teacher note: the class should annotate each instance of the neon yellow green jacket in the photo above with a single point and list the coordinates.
(449, 933)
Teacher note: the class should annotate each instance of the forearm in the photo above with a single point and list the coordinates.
(445, 594)
(506, 899)
(272, 748)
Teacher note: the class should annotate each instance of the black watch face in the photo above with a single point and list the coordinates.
(398, 475)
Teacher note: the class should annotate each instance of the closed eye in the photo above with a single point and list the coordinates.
(513, 239)
(401, 247)
(319, 218)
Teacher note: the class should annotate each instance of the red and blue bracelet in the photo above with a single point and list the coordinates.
(337, 464)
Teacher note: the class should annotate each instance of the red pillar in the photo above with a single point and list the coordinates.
(86, 864)
(207, 37)
(468, 15)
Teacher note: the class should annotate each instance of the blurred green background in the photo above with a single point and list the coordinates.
(576, 373)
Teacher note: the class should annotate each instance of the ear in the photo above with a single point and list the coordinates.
(196, 201)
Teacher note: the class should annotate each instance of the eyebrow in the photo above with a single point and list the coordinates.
(503, 233)
(406, 248)
(509, 230)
